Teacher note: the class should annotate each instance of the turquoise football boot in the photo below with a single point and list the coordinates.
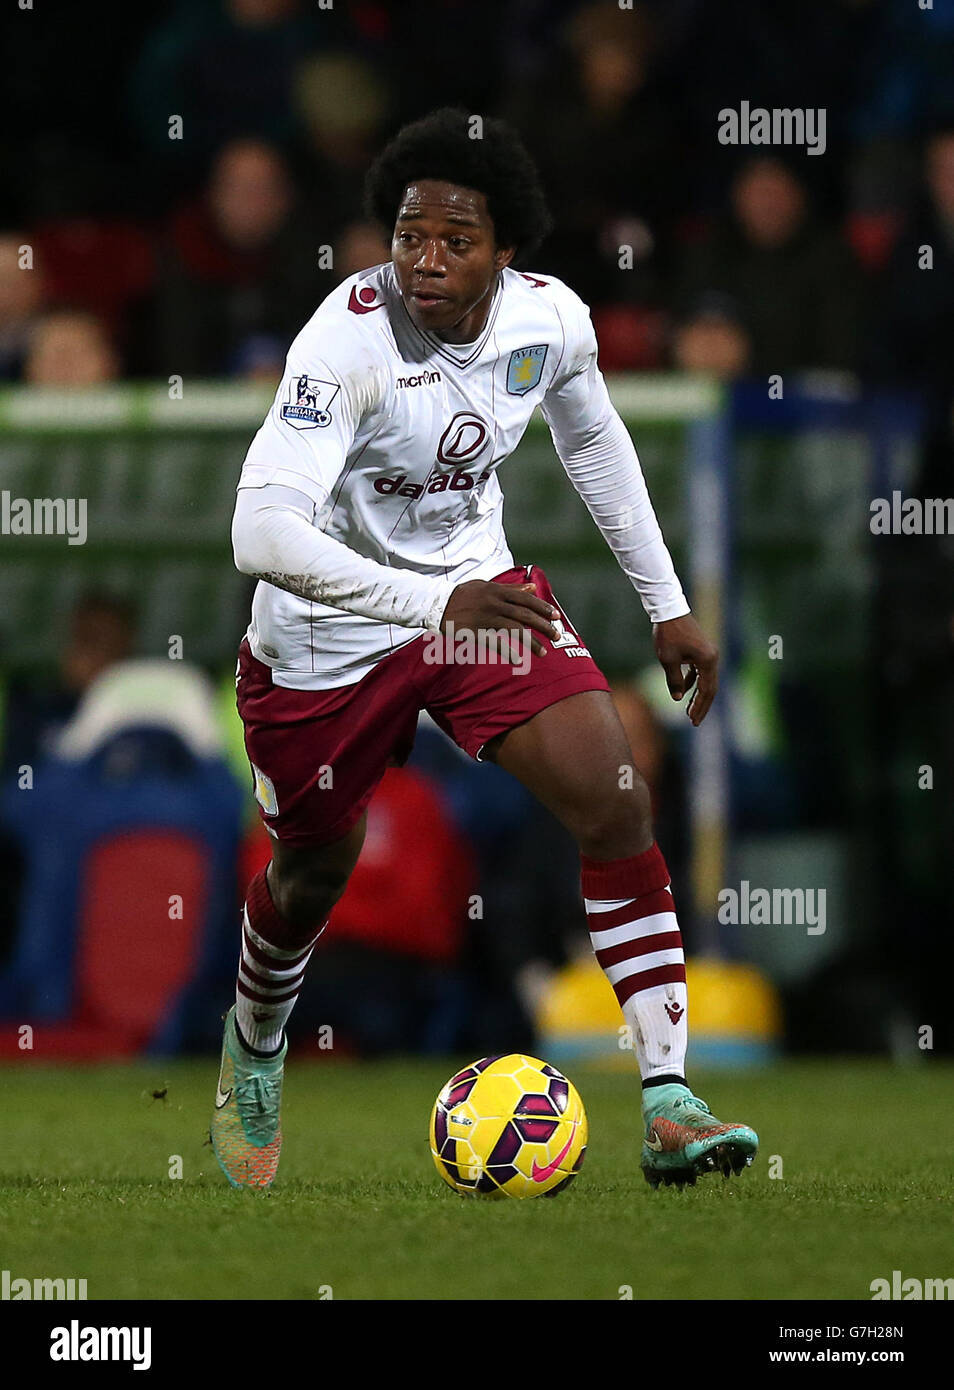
(684, 1140)
(246, 1129)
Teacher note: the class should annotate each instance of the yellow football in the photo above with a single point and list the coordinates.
(508, 1127)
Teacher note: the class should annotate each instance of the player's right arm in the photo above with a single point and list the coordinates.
(290, 471)
(274, 538)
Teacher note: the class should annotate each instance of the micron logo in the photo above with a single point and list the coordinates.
(422, 379)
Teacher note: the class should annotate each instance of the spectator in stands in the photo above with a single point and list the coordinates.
(69, 347)
(359, 246)
(21, 295)
(711, 338)
(602, 133)
(36, 708)
(901, 84)
(102, 631)
(238, 264)
(913, 345)
(341, 103)
(103, 265)
(227, 69)
(793, 281)
(916, 345)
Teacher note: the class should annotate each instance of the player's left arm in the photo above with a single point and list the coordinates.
(595, 448)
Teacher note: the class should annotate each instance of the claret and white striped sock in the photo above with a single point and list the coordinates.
(271, 970)
(635, 934)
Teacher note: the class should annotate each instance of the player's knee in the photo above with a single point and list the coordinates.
(617, 826)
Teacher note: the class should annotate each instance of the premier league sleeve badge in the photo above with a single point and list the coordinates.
(308, 403)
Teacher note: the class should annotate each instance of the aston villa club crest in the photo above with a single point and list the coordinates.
(308, 402)
(265, 792)
(525, 369)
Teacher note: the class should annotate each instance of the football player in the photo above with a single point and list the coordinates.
(370, 510)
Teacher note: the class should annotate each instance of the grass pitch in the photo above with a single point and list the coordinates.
(358, 1209)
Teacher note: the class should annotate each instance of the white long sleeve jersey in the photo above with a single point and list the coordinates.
(395, 437)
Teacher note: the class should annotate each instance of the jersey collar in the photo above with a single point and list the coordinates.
(458, 354)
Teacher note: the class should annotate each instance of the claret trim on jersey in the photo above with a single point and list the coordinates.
(363, 301)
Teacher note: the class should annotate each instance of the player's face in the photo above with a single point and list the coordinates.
(446, 258)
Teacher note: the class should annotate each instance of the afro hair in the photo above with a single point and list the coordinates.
(441, 146)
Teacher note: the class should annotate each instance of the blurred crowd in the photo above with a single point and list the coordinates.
(188, 178)
(185, 185)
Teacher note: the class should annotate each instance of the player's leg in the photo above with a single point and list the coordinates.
(574, 757)
(286, 910)
(316, 756)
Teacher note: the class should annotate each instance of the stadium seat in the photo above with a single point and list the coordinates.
(101, 266)
(631, 337)
(129, 911)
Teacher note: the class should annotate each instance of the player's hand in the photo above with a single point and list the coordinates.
(481, 603)
(681, 643)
